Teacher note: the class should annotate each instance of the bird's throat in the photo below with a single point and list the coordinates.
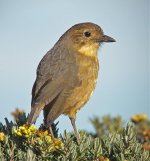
(89, 50)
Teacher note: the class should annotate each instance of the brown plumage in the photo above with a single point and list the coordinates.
(67, 74)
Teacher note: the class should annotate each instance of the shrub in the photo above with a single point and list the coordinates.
(111, 142)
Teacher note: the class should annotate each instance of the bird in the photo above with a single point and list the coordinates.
(67, 74)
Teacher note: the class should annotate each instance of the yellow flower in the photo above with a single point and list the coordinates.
(18, 133)
(39, 140)
(48, 138)
(57, 144)
(2, 136)
(40, 133)
(139, 118)
(25, 131)
(146, 135)
(146, 146)
(41, 136)
(101, 158)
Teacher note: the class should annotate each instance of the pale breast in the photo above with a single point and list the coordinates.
(88, 73)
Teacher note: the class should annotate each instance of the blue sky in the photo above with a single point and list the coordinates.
(28, 29)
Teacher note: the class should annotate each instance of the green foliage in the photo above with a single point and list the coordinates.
(124, 146)
(112, 142)
(106, 125)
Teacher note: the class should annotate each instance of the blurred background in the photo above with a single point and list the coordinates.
(28, 29)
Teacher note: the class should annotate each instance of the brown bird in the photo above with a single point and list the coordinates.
(67, 74)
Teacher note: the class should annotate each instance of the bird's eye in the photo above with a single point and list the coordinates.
(87, 34)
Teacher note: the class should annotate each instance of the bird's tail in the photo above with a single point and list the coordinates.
(35, 110)
(31, 118)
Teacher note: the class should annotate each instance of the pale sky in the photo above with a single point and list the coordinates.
(28, 29)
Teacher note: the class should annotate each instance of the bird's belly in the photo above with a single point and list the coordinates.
(79, 96)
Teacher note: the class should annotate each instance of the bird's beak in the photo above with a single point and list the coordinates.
(106, 38)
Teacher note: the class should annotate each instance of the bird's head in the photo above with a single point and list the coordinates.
(86, 38)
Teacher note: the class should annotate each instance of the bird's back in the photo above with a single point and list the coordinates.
(57, 74)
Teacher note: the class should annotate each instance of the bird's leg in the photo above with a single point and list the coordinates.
(75, 129)
(51, 131)
(47, 124)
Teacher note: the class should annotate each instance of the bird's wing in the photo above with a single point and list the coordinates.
(53, 73)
